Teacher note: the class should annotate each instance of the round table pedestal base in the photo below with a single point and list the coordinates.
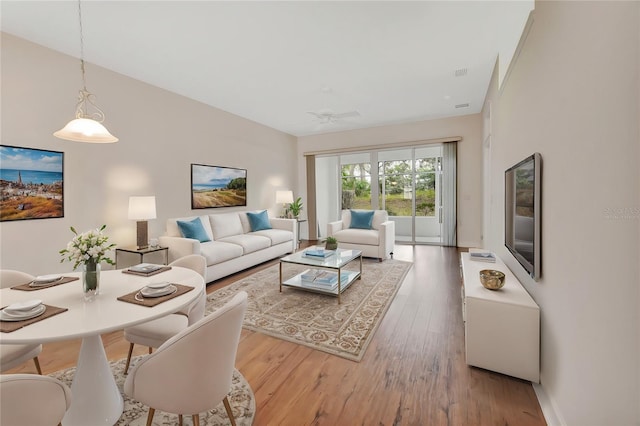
(96, 398)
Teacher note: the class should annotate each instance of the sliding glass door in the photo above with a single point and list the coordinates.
(415, 185)
(409, 180)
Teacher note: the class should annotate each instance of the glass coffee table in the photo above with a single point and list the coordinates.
(325, 274)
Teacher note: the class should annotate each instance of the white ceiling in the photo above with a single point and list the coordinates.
(272, 62)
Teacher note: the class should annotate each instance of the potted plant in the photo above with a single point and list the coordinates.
(331, 243)
(296, 207)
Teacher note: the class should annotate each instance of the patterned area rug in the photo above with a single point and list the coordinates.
(317, 320)
(241, 399)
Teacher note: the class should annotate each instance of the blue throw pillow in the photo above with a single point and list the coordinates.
(361, 219)
(193, 229)
(259, 221)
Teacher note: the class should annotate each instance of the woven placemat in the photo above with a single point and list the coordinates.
(153, 301)
(28, 287)
(9, 326)
(146, 274)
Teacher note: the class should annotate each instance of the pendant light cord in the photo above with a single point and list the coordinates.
(84, 82)
(86, 98)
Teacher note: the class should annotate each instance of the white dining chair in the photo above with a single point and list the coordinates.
(192, 371)
(32, 400)
(155, 333)
(13, 355)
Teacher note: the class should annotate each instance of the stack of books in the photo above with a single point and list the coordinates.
(318, 252)
(146, 269)
(481, 255)
(322, 279)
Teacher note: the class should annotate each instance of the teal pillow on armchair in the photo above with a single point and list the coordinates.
(361, 219)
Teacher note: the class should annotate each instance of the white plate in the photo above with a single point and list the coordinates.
(23, 307)
(149, 292)
(45, 279)
(43, 284)
(22, 314)
(4, 316)
(158, 285)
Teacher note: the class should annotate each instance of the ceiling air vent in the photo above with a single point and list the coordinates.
(461, 72)
(462, 105)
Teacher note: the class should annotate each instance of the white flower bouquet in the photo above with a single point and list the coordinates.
(88, 247)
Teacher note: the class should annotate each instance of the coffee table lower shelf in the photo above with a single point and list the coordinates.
(298, 283)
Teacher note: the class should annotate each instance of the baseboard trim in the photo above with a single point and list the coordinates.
(548, 407)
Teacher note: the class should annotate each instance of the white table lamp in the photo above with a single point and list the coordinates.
(284, 197)
(142, 209)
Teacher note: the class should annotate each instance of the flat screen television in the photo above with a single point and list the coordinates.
(523, 202)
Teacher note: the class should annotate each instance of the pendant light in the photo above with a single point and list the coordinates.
(87, 126)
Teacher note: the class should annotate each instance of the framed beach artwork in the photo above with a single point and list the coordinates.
(214, 186)
(32, 183)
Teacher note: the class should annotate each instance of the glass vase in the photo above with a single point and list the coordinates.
(90, 280)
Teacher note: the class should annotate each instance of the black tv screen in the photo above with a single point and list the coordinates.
(522, 202)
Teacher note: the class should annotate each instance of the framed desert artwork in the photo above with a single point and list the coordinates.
(32, 183)
(215, 186)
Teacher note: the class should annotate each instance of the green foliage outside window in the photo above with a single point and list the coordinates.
(397, 176)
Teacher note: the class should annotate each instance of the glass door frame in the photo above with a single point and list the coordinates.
(438, 201)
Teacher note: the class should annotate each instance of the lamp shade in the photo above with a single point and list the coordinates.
(284, 197)
(142, 208)
(85, 130)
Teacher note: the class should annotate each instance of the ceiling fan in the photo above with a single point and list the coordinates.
(327, 116)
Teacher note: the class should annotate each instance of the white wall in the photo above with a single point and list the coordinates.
(160, 133)
(572, 95)
(469, 127)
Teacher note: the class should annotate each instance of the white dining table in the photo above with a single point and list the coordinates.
(96, 398)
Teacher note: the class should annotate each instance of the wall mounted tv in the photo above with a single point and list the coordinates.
(523, 202)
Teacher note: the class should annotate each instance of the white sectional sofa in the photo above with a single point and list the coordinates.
(376, 241)
(232, 246)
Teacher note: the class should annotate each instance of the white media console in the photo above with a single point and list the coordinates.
(501, 327)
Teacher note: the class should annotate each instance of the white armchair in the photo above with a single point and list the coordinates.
(375, 242)
(33, 400)
(155, 333)
(13, 355)
(191, 372)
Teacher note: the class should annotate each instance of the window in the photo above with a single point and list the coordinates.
(356, 182)
(396, 185)
(426, 177)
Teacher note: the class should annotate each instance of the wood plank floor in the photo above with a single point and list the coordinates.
(413, 372)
